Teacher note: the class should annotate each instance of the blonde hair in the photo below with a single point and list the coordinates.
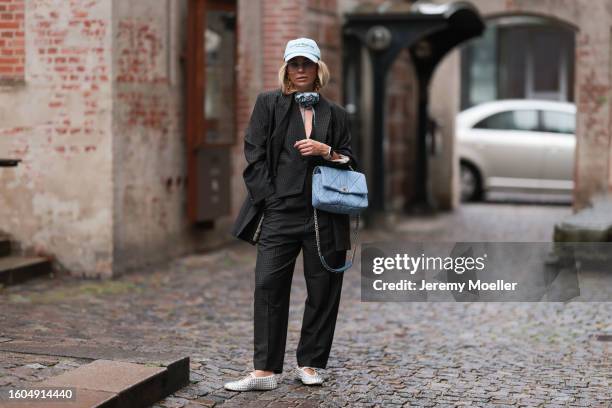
(321, 80)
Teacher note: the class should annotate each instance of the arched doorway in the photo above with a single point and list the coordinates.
(517, 93)
(373, 37)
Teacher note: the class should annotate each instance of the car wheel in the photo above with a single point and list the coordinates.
(471, 186)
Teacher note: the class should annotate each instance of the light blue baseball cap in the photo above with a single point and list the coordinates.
(304, 47)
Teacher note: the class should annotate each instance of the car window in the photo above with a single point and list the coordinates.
(510, 120)
(558, 122)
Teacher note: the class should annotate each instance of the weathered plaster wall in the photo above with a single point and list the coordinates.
(149, 160)
(58, 121)
(443, 167)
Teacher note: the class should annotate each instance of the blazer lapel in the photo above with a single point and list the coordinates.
(281, 123)
(282, 114)
(296, 129)
(322, 118)
(282, 108)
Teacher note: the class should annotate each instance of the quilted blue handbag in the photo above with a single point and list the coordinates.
(341, 192)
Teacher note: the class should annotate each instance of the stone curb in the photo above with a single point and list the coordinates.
(139, 382)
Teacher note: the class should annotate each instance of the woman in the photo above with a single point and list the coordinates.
(291, 131)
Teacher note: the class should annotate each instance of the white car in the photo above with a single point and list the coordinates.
(516, 145)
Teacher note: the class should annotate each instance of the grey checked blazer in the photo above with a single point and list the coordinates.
(263, 142)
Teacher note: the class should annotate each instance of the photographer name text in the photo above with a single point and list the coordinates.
(409, 285)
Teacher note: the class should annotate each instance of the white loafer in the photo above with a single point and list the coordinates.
(251, 382)
(308, 379)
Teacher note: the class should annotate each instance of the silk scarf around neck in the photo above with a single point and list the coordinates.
(307, 100)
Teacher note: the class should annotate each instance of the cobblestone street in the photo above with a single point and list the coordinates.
(384, 354)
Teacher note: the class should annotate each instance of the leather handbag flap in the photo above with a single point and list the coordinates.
(343, 181)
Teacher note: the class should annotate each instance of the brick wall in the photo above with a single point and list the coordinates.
(282, 20)
(324, 27)
(401, 132)
(12, 42)
(249, 82)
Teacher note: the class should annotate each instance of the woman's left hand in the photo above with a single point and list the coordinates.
(309, 147)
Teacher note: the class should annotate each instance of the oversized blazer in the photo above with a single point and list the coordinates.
(263, 143)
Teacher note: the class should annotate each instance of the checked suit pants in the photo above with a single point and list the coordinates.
(287, 229)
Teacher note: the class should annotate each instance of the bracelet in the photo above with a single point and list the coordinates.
(329, 154)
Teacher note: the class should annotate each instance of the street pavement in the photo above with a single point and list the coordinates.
(384, 354)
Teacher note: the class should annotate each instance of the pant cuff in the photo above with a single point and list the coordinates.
(274, 370)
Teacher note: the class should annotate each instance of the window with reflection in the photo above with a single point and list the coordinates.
(558, 122)
(518, 57)
(219, 98)
(511, 120)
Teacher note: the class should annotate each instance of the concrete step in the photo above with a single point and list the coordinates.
(5, 246)
(17, 269)
(119, 384)
(592, 224)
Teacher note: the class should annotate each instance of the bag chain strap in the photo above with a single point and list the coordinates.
(348, 264)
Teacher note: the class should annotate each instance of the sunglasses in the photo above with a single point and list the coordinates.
(294, 65)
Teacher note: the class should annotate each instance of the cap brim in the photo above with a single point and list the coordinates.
(311, 57)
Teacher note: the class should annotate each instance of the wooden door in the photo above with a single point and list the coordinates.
(210, 60)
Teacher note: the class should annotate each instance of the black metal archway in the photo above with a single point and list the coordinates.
(429, 31)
